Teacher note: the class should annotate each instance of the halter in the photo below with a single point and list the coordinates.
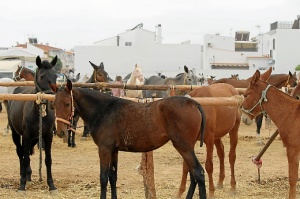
(70, 121)
(38, 88)
(18, 77)
(262, 99)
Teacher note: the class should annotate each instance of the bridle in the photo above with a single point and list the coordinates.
(262, 99)
(18, 77)
(71, 118)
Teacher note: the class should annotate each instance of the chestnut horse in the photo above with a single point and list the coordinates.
(136, 78)
(220, 121)
(113, 125)
(284, 111)
(277, 80)
(23, 117)
(24, 73)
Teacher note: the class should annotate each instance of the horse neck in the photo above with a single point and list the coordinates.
(278, 81)
(85, 98)
(273, 105)
(133, 80)
(28, 75)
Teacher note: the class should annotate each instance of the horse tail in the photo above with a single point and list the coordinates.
(203, 122)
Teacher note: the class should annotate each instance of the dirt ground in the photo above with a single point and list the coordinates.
(76, 170)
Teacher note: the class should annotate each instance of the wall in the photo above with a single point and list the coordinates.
(168, 59)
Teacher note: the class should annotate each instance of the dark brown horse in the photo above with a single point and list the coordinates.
(284, 111)
(122, 125)
(220, 121)
(99, 75)
(23, 117)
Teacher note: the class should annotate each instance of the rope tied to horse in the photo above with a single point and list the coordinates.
(42, 113)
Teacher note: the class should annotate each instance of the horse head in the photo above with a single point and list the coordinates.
(138, 73)
(292, 80)
(45, 74)
(252, 104)
(99, 74)
(64, 108)
(191, 77)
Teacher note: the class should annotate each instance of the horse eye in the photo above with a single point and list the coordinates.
(68, 104)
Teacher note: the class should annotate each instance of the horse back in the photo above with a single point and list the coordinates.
(228, 116)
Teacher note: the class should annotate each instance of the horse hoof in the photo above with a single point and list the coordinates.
(54, 192)
(233, 192)
(21, 192)
(260, 143)
(219, 186)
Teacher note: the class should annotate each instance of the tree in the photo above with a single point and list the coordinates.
(58, 66)
(297, 67)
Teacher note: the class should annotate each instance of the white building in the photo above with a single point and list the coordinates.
(219, 55)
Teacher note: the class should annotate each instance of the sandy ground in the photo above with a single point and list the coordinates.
(76, 170)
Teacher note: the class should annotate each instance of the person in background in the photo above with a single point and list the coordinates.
(118, 92)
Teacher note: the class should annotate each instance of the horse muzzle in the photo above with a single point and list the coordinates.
(246, 119)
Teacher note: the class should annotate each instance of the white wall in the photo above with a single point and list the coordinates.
(169, 59)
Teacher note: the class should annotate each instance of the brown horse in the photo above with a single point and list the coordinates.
(229, 118)
(24, 73)
(122, 125)
(284, 111)
(277, 80)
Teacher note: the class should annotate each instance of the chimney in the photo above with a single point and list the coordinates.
(158, 37)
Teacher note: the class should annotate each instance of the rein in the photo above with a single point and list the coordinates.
(262, 99)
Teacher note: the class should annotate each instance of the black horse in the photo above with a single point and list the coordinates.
(23, 118)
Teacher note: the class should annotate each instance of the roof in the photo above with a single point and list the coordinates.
(229, 65)
(45, 48)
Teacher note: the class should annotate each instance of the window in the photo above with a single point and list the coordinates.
(271, 53)
(128, 43)
(273, 44)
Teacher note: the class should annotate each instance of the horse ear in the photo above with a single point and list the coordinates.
(94, 66)
(53, 87)
(255, 78)
(101, 65)
(265, 76)
(53, 62)
(186, 69)
(136, 65)
(38, 61)
(290, 74)
(69, 85)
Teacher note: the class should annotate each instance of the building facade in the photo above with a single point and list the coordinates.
(219, 55)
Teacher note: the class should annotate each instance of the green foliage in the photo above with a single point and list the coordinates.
(297, 67)
(58, 66)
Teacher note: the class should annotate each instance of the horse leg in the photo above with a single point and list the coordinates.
(85, 130)
(209, 166)
(258, 121)
(221, 154)
(182, 186)
(26, 142)
(232, 153)
(195, 169)
(48, 159)
(112, 175)
(105, 160)
(293, 160)
(19, 149)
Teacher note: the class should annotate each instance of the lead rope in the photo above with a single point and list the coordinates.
(42, 113)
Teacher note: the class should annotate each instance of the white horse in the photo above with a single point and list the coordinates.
(136, 78)
(6, 90)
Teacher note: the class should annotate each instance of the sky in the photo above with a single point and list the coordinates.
(69, 23)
